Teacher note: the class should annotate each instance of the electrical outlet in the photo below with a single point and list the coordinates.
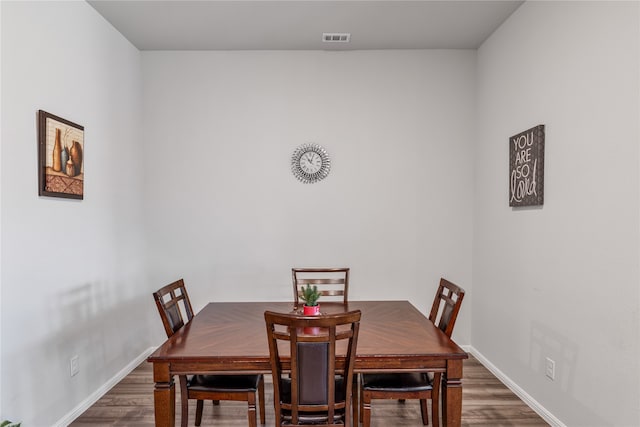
(74, 365)
(550, 368)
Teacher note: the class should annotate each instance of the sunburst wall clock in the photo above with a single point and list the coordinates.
(310, 163)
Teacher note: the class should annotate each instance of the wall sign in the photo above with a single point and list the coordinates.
(526, 167)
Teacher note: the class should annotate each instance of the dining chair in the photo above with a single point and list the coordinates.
(313, 378)
(175, 310)
(331, 282)
(415, 385)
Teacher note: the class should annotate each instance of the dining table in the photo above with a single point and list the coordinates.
(231, 337)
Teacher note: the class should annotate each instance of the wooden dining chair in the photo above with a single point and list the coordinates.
(415, 385)
(331, 282)
(317, 387)
(175, 310)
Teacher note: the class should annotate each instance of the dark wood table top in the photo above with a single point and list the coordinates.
(231, 336)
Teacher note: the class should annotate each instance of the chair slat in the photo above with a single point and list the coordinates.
(331, 282)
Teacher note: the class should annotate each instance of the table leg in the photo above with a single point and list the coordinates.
(452, 394)
(164, 396)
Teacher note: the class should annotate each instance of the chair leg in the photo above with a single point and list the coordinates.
(361, 409)
(355, 390)
(424, 409)
(251, 410)
(261, 396)
(184, 401)
(199, 406)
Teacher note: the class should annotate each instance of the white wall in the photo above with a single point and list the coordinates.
(561, 281)
(72, 271)
(225, 211)
(0, 207)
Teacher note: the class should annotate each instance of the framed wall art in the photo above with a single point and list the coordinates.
(61, 157)
(526, 168)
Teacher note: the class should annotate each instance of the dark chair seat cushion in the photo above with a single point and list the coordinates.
(224, 383)
(400, 382)
(311, 417)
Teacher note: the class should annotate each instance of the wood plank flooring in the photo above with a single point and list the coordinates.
(486, 402)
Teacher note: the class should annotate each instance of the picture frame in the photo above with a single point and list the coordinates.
(60, 157)
(526, 167)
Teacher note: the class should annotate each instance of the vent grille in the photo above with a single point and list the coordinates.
(336, 37)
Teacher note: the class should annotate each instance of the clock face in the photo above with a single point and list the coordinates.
(310, 163)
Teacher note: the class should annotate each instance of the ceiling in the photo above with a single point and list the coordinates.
(299, 24)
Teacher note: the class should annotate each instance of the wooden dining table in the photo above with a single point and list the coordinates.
(231, 337)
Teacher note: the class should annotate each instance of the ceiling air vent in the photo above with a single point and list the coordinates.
(336, 37)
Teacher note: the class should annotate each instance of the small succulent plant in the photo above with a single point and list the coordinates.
(7, 423)
(310, 295)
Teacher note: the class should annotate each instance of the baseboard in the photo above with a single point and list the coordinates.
(96, 395)
(515, 388)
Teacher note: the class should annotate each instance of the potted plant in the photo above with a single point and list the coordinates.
(310, 296)
(7, 423)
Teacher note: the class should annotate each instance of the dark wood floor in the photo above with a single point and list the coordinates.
(486, 402)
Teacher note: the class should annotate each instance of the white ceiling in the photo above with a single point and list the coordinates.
(299, 24)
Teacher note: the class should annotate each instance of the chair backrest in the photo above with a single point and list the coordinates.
(172, 301)
(331, 282)
(446, 306)
(312, 393)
